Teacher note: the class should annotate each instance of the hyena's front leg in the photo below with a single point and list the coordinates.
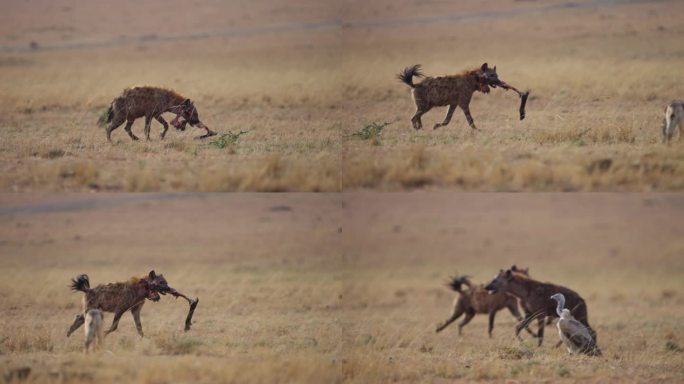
(447, 118)
(165, 124)
(135, 311)
(128, 126)
(466, 112)
(78, 321)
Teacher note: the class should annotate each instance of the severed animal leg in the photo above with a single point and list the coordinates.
(523, 96)
(192, 302)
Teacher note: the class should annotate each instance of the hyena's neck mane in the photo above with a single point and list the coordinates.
(472, 75)
(174, 95)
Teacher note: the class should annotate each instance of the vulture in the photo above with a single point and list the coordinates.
(573, 334)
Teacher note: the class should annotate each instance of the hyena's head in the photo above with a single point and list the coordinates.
(488, 77)
(500, 281)
(189, 112)
(156, 284)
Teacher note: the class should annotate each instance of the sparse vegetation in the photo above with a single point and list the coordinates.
(371, 132)
(227, 139)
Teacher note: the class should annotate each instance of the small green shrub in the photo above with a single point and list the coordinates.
(227, 139)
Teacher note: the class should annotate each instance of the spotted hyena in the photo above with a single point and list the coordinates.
(118, 298)
(150, 103)
(94, 323)
(454, 91)
(475, 299)
(674, 118)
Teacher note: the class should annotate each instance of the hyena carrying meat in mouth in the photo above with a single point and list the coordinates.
(454, 91)
(122, 297)
(151, 102)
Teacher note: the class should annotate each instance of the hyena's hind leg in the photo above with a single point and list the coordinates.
(115, 123)
(78, 321)
(148, 126)
(128, 129)
(115, 322)
(415, 120)
(458, 311)
(447, 118)
(165, 124)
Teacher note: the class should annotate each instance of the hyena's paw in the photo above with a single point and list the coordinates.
(436, 126)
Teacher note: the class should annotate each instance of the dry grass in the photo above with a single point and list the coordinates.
(267, 296)
(302, 94)
(339, 288)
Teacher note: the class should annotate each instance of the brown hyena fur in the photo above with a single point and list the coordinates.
(150, 103)
(94, 327)
(118, 298)
(454, 91)
(475, 299)
(535, 298)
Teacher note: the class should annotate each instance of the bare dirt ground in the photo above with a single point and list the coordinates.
(339, 287)
(301, 77)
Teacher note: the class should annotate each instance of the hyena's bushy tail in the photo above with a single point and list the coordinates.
(457, 282)
(106, 117)
(407, 74)
(81, 283)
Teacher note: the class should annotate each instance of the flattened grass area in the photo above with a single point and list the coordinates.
(600, 78)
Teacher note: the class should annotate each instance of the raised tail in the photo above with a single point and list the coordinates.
(81, 283)
(407, 74)
(457, 282)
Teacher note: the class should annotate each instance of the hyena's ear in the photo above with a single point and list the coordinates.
(484, 67)
(152, 275)
(508, 273)
(186, 103)
(494, 69)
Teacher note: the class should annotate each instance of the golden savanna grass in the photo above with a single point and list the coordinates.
(339, 288)
(600, 78)
(260, 276)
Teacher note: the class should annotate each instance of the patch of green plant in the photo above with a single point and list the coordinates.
(371, 131)
(226, 139)
(673, 347)
(579, 138)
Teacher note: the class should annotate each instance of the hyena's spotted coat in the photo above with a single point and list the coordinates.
(150, 103)
(454, 91)
(118, 298)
